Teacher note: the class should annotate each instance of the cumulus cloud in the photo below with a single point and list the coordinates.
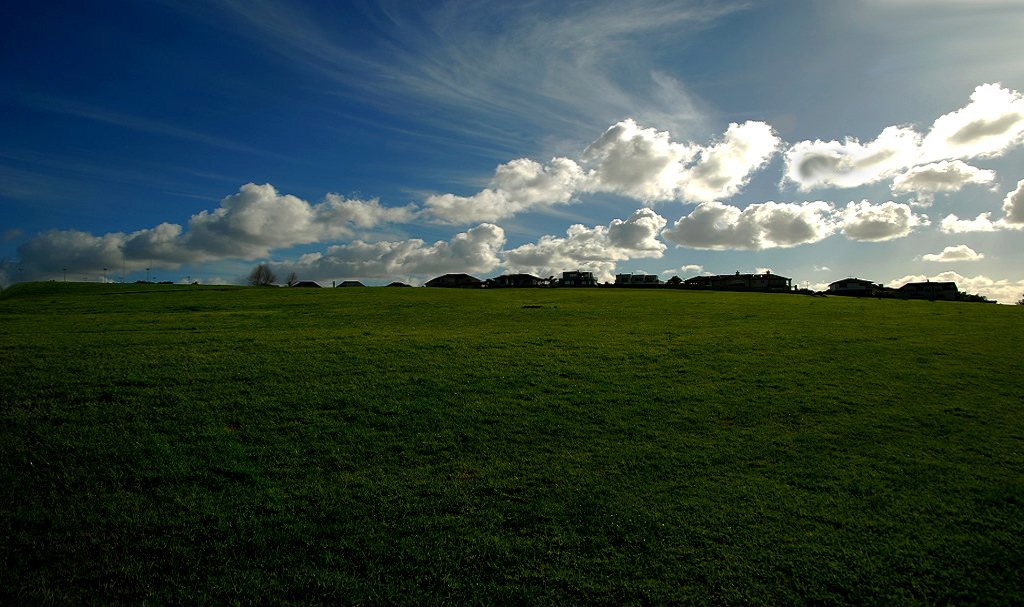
(1013, 216)
(958, 253)
(726, 166)
(472, 251)
(951, 224)
(850, 163)
(596, 249)
(988, 126)
(689, 268)
(945, 176)
(517, 186)
(646, 164)
(627, 159)
(642, 163)
(1001, 290)
(246, 225)
(877, 222)
(1013, 206)
(51, 251)
(713, 225)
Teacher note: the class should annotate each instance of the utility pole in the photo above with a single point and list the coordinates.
(65, 270)
(104, 275)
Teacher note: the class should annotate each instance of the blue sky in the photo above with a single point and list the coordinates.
(397, 141)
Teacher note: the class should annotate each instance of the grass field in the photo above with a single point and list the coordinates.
(175, 444)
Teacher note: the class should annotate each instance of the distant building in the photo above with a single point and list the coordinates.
(855, 287)
(516, 281)
(456, 281)
(637, 280)
(307, 284)
(351, 283)
(398, 284)
(766, 282)
(675, 281)
(578, 278)
(946, 291)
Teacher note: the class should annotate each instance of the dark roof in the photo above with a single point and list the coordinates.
(398, 284)
(307, 283)
(351, 283)
(453, 279)
(859, 281)
(929, 285)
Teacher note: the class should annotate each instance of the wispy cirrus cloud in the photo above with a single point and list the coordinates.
(134, 122)
(555, 68)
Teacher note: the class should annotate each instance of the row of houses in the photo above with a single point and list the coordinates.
(942, 291)
(764, 282)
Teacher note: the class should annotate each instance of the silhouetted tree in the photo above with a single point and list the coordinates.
(1020, 302)
(292, 279)
(262, 276)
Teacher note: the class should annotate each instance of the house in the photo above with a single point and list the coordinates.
(675, 281)
(930, 290)
(578, 278)
(398, 284)
(637, 280)
(309, 284)
(456, 281)
(765, 282)
(351, 283)
(515, 281)
(855, 287)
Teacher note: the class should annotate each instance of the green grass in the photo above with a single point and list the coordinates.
(174, 444)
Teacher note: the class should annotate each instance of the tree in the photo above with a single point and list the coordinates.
(1020, 302)
(292, 279)
(262, 276)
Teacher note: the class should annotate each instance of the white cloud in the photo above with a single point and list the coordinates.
(473, 251)
(713, 225)
(726, 166)
(850, 163)
(642, 163)
(257, 219)
(49, 252)
(645, 164)
(596, 249)
(1013, 216)
(957, 253)
(1001, 290)
(517, 186)
(988, 126)
(877, 222)
(951, 224)
(627, 159)
(689, 268)
(945, 176)
(246, 225)
(1013, 207)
